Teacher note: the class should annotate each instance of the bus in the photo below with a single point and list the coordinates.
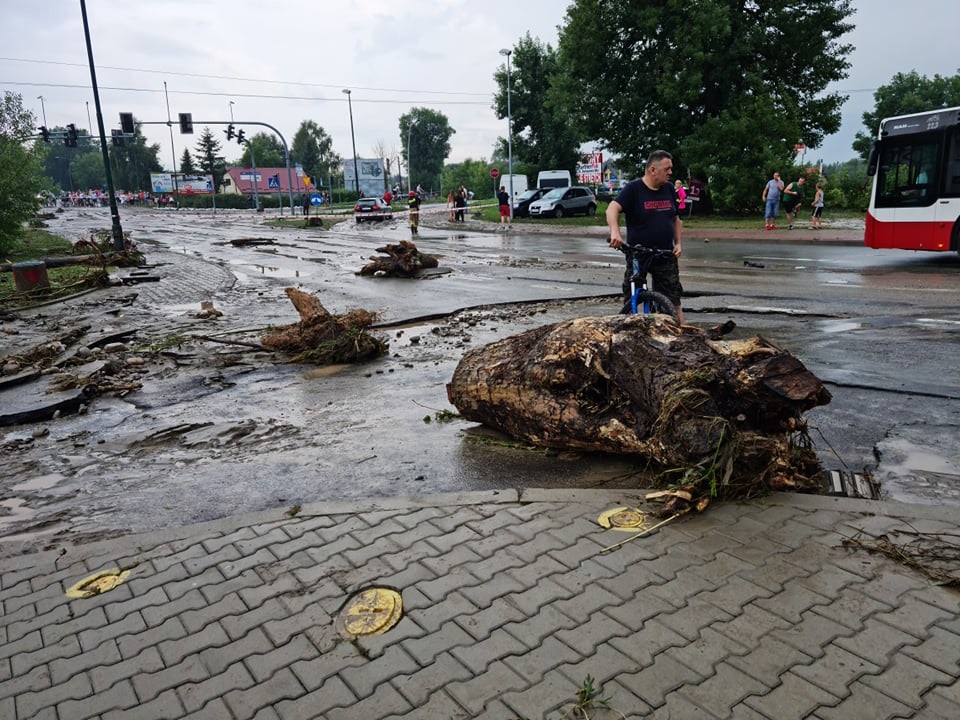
(915, 200)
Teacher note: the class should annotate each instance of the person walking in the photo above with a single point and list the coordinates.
(792, 199)
(816, 220)
(772, 192)
(653, 221)
(460, 203)
(681, 196)
(503, 200)
(413, 203)
(451, 204)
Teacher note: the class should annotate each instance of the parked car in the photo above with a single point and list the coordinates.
(521, 207)
(372, 208)
(565, 201)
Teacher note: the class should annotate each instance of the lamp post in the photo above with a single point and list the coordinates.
(43, 109)
(353, 142)
(231, 111)
(413, 121)
(507, 53)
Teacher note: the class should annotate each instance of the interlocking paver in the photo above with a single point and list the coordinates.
(282, 685)
(418, 686)
(752, 611)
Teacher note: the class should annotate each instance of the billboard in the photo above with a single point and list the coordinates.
(589, 169)
(186, 184)
(371, 176)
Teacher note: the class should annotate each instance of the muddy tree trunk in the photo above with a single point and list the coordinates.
(323, 338)
(719, 415)
(401, 260)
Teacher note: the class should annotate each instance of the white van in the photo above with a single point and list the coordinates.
(553, 179)
(519, 185)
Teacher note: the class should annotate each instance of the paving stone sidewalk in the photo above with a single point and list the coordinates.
(750, 610)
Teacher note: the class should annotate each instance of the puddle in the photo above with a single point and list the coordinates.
(41, 482)
(836, 326)
(916, 466)
(325, 371)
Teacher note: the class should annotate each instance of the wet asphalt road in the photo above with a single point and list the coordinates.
(206, 439)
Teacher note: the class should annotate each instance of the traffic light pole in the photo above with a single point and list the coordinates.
(286, 151)
(117, 230)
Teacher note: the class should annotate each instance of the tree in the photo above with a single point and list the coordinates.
(543, 134)
(726, 87)
(186, 163)
(209, 159)
(474, 174)
(428, 132)
(59, 158)
(20, 174)
(132, 162)
(87, 171)
(906, 93)
(313, 149)
(267, 151)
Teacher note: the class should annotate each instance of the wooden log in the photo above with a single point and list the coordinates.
(720, 412)
(401, 260)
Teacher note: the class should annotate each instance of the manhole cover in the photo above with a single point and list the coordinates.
(370, 612)
(622, 518)
(98, 583)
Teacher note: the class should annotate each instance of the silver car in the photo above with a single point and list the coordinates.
(565, 201)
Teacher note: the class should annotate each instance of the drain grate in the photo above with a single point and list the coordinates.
(628, 519)
(98, 583)
(370, 612)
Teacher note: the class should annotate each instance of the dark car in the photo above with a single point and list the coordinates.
(521, 206)
(564, 201)
(370, 208)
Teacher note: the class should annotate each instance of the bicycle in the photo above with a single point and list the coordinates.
(643, 301)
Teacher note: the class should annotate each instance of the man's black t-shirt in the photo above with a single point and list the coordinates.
(503, 198)
(650, 214)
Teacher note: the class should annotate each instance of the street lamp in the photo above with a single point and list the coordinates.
(413, 121)
(507, 53)
(353, 141)
(43, 109)
(231, 111)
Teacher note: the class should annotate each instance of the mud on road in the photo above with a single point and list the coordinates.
(219, 428)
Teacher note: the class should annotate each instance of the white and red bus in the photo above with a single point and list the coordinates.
(915, 201)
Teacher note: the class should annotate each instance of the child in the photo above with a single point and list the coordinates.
(816, 220)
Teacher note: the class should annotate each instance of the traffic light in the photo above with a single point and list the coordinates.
(240, 138)
(126, 123)
(186, 123)
(229, 131)
(44, 133)
(71, 139)
(117, 136)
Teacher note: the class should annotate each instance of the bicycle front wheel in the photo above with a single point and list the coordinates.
(650, 302)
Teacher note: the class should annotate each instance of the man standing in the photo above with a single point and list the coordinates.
(792, 197)
(503, 200)
(771, 198)
(653, 221)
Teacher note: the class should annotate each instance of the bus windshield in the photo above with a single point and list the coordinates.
(908, 170)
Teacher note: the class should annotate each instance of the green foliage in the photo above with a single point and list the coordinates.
(543, 133)
(728, 88)
(131, 163)
(267, 151)
(906, 93)
(847, 185)
(209, 159)
(186, 163)
(474, 174)
(87, 171)
(20, 172)
(429, 133)
(313, 149)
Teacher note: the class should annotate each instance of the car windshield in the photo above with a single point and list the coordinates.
(529, 194)
(554, 194)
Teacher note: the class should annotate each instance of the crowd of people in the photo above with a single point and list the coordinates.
(95, 197)
(790, 195)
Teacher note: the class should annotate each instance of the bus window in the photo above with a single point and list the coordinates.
(907, 174)
(952, 176)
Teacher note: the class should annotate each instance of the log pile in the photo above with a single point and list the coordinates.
(401, 260)
(322, 338)
(717, 418)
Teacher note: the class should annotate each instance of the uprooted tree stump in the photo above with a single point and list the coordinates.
(401, 260)
(323, 338)
(717, 418)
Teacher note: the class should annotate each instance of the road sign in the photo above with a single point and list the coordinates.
(494, 173)
(316, 199)
(273, 182)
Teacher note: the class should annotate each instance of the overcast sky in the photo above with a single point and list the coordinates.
(282, 63)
